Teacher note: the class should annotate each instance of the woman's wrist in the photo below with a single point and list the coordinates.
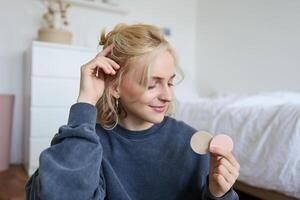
(82, 99)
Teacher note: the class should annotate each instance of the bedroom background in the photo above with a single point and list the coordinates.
(20, 21)
(224, 47)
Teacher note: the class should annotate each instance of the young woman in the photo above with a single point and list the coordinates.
(119, 143)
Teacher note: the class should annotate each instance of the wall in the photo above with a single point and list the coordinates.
(19, 25)
(248, 46)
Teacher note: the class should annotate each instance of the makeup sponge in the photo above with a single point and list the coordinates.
(202, 141)
(222, 141)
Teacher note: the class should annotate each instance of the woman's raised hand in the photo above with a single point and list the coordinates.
(92, 76)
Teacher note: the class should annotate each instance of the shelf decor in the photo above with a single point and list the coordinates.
(57, 23)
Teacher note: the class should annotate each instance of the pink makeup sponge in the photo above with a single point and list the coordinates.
(222, 141)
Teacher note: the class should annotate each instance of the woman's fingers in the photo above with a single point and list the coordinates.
(222, 170)
(113, 63)
(226, 154)
(224, 185)
(106, 67)
(101, 63)
(223, 167)
(231, 169)
(105, 51)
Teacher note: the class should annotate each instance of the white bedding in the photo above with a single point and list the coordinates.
(265, 129)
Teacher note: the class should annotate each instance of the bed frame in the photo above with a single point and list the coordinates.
(263, 194)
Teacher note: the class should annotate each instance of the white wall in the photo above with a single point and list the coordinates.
(248, 46)
(19, 21)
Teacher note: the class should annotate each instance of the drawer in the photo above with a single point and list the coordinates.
(55, 92)
(45, 121)
(59, 62)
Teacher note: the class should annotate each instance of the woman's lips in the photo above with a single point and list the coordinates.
(158, 109)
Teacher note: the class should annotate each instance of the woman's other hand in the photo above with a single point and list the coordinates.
(223, 172)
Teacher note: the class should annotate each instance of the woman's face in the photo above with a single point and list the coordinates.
(147, 107)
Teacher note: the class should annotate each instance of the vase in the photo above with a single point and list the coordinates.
(55, 35)
(6, 116)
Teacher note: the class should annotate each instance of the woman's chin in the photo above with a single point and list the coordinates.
(156, 119)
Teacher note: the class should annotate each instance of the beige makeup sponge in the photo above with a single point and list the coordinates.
(200, 142)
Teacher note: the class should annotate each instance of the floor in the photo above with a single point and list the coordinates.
(13, 180)
(244, 196)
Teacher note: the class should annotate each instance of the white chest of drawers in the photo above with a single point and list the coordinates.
(52, 76)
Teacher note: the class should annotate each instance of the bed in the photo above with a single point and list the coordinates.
(265, 129)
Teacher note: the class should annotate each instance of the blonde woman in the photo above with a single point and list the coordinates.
(119, 143)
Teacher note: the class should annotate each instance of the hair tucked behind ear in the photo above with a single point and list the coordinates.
(130, 42)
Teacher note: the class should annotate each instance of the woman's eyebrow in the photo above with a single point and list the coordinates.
(160, 78)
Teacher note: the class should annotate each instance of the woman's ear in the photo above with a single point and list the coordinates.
(115, 91)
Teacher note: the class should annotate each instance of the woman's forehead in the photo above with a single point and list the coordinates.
(162, 67)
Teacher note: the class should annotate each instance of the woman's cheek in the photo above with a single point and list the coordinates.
(151, 94)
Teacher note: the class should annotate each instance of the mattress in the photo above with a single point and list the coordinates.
(265, 129)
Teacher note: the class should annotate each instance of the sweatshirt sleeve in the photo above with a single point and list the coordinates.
(230, 195)
(71, 167)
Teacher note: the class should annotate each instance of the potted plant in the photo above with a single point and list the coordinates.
(56, 20)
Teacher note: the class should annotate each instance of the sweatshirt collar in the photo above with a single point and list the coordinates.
(141, 134)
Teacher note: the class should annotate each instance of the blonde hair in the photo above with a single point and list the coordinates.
(130, 43)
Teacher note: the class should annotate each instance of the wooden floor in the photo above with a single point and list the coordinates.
(13, 180)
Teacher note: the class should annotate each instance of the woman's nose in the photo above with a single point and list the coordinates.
(166, 93)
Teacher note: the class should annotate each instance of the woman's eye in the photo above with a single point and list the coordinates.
(151, 87)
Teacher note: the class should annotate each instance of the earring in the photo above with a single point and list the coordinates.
(117, 103)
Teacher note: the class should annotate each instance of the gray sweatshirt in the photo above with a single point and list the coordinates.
(87, 162)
